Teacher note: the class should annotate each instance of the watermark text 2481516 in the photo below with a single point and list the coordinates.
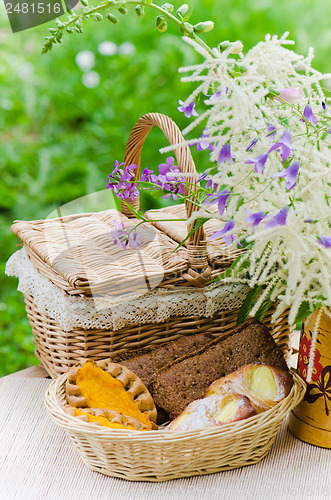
(32, 8)
(25, 14)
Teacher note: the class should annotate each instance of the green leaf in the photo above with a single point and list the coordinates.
(226, 274)
(199, 223)
(240, 202)
(188, 14)
(304, 310)
(247, 305)
(137, 213)
(244, 265)
(233, 268)
(265, 306)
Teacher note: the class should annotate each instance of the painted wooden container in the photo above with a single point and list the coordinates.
(310, 421)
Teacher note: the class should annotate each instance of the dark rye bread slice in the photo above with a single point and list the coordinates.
(147, 361)
(179, 383)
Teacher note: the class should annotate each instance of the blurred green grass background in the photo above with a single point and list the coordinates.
(59, 138)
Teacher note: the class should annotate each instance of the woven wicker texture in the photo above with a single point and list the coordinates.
(77, 254)
(164, 455)
(219, 255)
(114, 313)
(59, 350)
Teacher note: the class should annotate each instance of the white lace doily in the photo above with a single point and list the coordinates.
(128, 310)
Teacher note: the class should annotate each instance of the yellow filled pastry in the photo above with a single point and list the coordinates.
(111, 387)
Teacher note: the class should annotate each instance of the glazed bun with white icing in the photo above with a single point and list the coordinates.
(213, 411)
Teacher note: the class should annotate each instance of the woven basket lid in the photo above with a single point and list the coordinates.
(78, 254)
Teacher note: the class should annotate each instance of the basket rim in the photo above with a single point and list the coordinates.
(54, 407)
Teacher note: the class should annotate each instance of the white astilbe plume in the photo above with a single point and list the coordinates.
(289, 260)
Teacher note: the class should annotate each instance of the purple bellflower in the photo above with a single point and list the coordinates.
(130, 192)
(252, 144)
(225, 154)
(277, 220)
(220, 198)
(117, 166)
(258, 162)
(125, 239)
(210, 183)
(329, 130)
(148, 175)
(271, 132)
(225, 234)
(227, 227)
(204, 143)
(134, 241)
(213, 97)
(202, 177)
(128, 174)
(114, 177)
(255, 218)
(325, 241)
(187, 110)
(309, 115)
(168, 166)
(284, 143)
(119, 182)
(271, 129)
(169, 180)
(119, 234)
(290, 173)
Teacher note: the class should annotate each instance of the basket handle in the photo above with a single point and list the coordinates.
(185, 164)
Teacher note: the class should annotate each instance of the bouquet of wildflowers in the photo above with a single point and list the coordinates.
(264, 119)
(269, 128)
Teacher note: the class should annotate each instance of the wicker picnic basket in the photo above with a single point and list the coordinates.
(163, 455)
(74, 260)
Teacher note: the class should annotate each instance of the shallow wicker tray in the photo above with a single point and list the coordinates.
(164, 455)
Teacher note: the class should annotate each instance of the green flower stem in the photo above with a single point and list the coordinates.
(295, 109)
(258, 194)
(154, 220)
(250, 173)
(57, 34)
(179, 23)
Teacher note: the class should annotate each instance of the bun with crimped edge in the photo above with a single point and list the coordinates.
(111, 387)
